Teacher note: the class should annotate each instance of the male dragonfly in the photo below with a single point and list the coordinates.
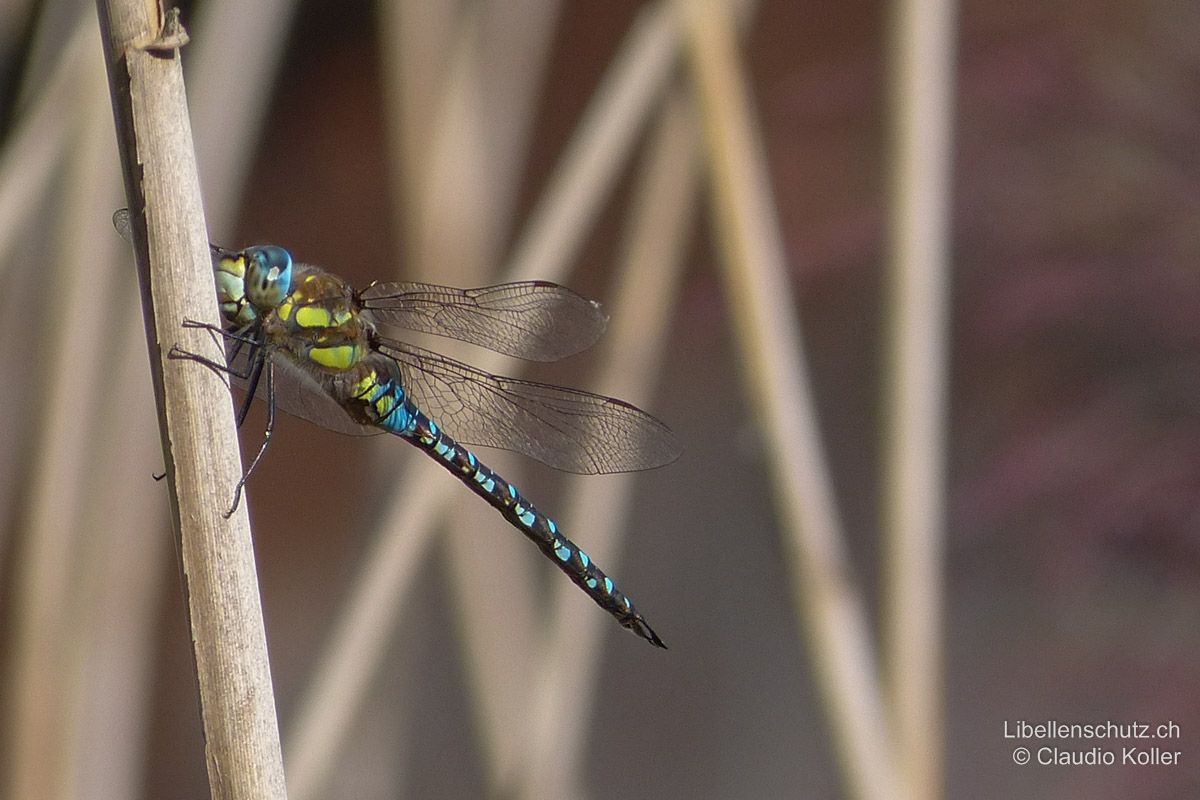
(305, 341)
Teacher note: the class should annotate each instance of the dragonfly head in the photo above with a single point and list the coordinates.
(268, 275)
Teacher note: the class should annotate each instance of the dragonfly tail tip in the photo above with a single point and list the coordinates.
(642, 628)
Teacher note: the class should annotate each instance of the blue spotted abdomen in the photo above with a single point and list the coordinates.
(380, 400)
(522, 514)
(376, 399)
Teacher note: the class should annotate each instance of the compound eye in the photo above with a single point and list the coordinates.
(269, 278)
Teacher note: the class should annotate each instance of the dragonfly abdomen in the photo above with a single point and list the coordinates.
(381, 401)
(524, 516)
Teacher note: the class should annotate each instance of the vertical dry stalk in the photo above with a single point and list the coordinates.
(922, 53)
(196, 418)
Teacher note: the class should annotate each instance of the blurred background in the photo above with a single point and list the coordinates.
(473, 142)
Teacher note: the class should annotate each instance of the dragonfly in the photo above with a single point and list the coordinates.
(303, 340)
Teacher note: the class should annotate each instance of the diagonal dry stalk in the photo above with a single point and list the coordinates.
(42, 650)
(658, 227)
(754, 267)
(230, 98)
(910, 639)
(199, 438)
(88, 543)
(586, 173)
(461, 93)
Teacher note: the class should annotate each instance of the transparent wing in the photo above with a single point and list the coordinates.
(124, 225)
(534, 320)
(567, 429)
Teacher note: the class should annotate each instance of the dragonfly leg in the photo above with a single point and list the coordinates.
(239, 338)
(251, 372)
(244, 334)
(177, 353)
(269, 371)
(256, 370)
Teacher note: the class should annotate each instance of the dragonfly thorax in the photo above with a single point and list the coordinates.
(318, 322)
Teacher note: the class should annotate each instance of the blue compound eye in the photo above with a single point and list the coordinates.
(268, 275)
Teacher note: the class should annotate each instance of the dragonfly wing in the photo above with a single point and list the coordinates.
(567, 429)
(123, 223)
(534, 320)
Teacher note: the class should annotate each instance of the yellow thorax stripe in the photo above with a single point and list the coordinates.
(318, 316)
(342, 356)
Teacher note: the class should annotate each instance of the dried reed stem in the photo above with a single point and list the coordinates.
(768, 334)
(200, 445)
(659, 224)
(913, 500)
